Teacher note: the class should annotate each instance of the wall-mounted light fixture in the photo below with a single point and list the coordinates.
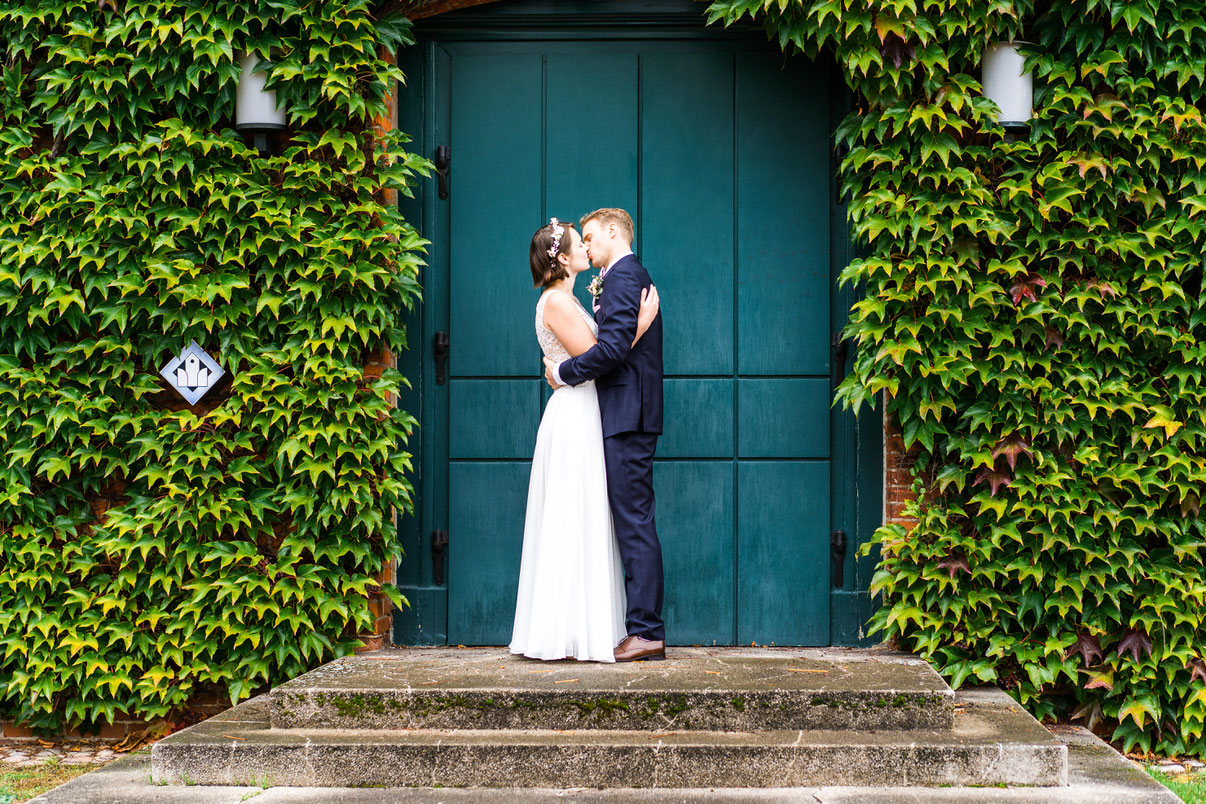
(1008, 85)
(256, 111)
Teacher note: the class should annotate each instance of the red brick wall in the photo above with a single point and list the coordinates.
(375, 363)
(898, 479)
(199, 707)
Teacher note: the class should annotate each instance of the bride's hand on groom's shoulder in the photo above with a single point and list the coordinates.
(650, 305)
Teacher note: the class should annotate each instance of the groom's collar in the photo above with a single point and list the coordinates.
(616, 262)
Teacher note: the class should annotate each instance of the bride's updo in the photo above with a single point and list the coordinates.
(549, 242)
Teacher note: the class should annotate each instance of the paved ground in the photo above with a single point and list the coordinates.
(1097, 775)
(30, 755)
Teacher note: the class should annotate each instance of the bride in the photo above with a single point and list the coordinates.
(571, 581)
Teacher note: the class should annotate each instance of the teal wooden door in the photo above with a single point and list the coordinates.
(719, 150)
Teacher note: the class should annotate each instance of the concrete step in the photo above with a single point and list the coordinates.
(992, 742)
(696, 688)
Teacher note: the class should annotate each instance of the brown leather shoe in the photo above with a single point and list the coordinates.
(635, 648)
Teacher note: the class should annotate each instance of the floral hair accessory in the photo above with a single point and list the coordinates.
(557, 232)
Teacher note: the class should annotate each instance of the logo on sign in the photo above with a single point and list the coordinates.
(192, 373)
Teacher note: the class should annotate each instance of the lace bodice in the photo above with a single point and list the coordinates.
(548, 341)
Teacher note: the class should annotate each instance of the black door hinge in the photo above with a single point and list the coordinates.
(443, 162)
(837, 555)
(439, 546)
(441, 346)
(840, 348)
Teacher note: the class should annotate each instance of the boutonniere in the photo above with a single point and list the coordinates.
(595, 287)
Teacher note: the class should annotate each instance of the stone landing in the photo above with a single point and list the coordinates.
(721, 718)
(696, 689)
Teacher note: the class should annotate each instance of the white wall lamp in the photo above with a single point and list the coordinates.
(256, 112)
(1008, 85)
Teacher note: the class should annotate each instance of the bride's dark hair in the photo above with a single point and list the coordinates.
(545, 268)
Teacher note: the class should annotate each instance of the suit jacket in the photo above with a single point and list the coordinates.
(628, 378)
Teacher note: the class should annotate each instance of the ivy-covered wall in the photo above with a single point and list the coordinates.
(1034, 318)
(149, 551)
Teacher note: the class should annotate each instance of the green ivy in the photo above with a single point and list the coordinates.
(149, 550)
(1033, 315)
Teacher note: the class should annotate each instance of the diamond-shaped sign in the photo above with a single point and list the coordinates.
(192, 373)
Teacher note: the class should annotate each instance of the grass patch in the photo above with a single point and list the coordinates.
(22, 784)
(1191, 787)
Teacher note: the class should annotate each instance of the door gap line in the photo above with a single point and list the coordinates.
(733, 131)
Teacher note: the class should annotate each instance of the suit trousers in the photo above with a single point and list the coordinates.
(629, 458)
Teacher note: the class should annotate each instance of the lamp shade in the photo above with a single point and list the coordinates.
(255, 107)
(1007, 85)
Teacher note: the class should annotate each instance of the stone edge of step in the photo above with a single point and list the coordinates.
(452, 707)
(993, 743)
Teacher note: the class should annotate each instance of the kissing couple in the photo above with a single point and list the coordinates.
(590, 579)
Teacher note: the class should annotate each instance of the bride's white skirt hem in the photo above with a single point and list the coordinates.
(570, 602)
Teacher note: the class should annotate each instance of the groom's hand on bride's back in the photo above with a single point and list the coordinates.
(549, 365)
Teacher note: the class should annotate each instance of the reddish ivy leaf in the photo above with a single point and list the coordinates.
(1090, 711)
(1011, 447)
(1088, 647)
(1025, 288)
(1197, 670)
(1135, 641)
(1054, 338)
(896, 50)
(994, 479)
(955, 562)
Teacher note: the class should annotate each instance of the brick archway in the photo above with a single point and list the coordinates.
(433, 7)
(419, 9)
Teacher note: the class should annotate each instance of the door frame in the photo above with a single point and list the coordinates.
(856, 457)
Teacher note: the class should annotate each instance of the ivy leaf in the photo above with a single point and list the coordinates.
(1088, 647)
(995, 479)
(1011, 447)
(1136, 642)
(896, 50)
(954, 562)
(1139, 709)
(1103, 288)
(1165, 417)
(1025, 288)
(1089, 711)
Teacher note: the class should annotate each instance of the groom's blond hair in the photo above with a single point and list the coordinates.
(611, 215)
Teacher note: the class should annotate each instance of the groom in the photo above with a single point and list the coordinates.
(628, 379)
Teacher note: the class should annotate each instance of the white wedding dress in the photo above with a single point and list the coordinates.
(571, 581)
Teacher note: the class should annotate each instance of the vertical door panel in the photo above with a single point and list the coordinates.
(687, 204)
(495, 186)
(592, 132)
(783, 589)
(496, 198)
(485, 523)
(783, 217)
(695, 526)
(591, 151)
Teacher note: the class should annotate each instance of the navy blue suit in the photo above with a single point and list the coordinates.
(629, 382)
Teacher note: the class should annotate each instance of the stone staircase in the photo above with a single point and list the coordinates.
(704, 718)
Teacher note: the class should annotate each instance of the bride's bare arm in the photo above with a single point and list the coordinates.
(562, 317)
